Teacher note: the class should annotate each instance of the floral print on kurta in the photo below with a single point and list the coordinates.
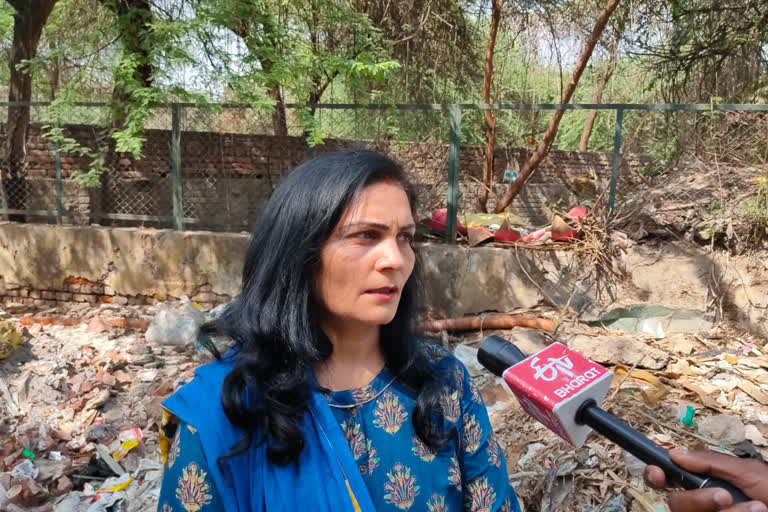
(187, 486)
(400, 471)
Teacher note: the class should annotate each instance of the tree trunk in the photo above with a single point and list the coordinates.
(134, 18)
(542, 149)
(490, 121)
(279, 119)
(55, 72)
(28, 21)
(597, 98)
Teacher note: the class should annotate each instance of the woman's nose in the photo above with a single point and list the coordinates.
(390, 254)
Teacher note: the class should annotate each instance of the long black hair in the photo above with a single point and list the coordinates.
(273, 324)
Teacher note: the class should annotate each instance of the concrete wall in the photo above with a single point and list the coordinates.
(44, 265)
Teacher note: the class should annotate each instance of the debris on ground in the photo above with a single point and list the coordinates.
(652, 320)
(482, 227)
(10, 339)
(619, 349)
(81, 407)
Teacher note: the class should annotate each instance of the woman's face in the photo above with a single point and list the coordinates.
(367, 259)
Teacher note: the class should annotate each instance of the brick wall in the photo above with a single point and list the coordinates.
(229, 177)
(76, 289)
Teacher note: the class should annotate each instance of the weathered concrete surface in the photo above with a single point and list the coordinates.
(619, 349)
(683, 275)
(167, 263)
(458, 281)
(461, 281)
(132, 261)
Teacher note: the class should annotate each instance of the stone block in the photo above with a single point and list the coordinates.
(82, 297)
(93, 288)
(625, 350)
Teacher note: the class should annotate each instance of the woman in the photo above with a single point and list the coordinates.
(327, 399)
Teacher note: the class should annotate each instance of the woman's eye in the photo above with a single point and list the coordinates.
(368, 235)
(406, 237)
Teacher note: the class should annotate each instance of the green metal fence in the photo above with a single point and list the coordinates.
(168, 196)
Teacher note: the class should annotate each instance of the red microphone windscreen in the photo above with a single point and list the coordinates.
(552, 384)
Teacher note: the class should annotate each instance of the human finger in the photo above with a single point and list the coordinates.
(699, 500)
(654, 477)
(750, 506)
(749, 475)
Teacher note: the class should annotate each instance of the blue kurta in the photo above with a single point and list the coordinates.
(400, 472)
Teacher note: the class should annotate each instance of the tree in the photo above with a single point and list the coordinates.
(295, 50)
(533, 161)
(135, 69)
(697, 49)
(490, 122)
(434, 40)
(28, 22)
(597, 97)
(257, 24)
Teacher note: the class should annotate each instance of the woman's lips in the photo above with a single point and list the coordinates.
(386, 292)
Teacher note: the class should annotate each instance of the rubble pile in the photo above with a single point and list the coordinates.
(701, 202)
(80, 405)
(80, 409)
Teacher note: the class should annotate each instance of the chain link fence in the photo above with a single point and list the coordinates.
(215, 167)
(704, 177)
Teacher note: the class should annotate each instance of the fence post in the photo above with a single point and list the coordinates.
(454, 151)
(59, 188)
(178, 211)
(616, 166)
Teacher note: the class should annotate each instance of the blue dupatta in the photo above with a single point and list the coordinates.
(325, 478)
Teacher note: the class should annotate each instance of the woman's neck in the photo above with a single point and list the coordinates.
(356, 358)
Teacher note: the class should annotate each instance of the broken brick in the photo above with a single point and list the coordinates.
(85, 387)
(106, 377)
(97, 325)
(78, 405)
(63, 485)
(122, 377)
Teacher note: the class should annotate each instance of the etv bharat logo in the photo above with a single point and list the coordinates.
(552, 368)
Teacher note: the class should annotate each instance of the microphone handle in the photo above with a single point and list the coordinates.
(649, 452)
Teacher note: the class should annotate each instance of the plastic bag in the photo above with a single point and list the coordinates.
(634, 465)
(725, 428)
(175, 323)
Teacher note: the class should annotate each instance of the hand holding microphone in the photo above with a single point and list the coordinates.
(562, 389)
(748, 474)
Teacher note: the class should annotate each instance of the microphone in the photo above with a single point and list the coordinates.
(561, 389)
